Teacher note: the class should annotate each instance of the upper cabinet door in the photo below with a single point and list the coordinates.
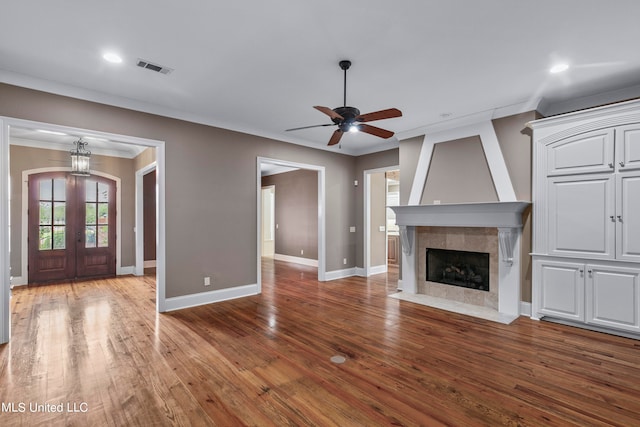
(581, 212)
(628, 216)
(628, 147)
(590, 152)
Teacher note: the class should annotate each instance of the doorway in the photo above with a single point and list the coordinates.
(71, 227)
(381, 241)
(19, 232)
(266, 163)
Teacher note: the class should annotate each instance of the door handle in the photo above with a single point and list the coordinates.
(79, 236)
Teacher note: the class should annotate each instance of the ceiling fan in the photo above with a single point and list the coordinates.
(349, 119)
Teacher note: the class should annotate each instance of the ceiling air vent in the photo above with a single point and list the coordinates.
(153, 67)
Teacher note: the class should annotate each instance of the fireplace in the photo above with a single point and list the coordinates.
(489, 227)
(458, 268)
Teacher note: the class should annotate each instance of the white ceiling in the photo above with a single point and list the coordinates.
(259, 67)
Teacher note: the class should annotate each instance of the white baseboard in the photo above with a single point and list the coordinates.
(361, 272)
(525, 308)
(399, 284)
(123, 271)
(340, 274)
(150, 263)
(296, 260)
(202, 298)
(378, 269)
(22, 281)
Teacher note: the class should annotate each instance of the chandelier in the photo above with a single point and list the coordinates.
(80, 158)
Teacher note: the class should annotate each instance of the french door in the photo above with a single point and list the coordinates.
(72, 228)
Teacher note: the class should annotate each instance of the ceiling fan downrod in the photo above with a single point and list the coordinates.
(345, 66)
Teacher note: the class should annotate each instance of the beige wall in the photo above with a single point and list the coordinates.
(465, 157)
(296, 213)
(459, 173)
(210, 187)
(26, 158)
(378, 217)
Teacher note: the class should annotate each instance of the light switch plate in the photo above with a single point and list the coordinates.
(352, 229)
(381, 228)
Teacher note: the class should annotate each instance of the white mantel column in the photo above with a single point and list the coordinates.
(509, 271)
(408, 238)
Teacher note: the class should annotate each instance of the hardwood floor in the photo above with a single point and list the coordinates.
(98, 347)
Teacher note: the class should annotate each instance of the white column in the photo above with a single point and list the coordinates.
(408, 238)
(509, 271)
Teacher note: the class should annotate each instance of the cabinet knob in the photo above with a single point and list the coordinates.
(612, 218)
(611, 165)
(622, 164)
(620, 218)
(581, 271)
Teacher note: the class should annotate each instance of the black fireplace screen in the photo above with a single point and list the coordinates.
(458, 268)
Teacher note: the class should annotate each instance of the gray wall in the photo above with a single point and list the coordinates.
(296, 212)
(25, 158)
(210, 175)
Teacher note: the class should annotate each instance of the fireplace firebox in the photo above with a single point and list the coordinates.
(458, 268)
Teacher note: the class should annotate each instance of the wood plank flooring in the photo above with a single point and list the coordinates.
(99, 348)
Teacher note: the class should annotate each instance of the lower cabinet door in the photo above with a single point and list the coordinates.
(561, 290)
(613, 297)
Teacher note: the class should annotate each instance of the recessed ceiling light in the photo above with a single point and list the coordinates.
(559, 68)
(114, 58)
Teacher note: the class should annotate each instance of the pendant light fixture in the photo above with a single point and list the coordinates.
(80, 158)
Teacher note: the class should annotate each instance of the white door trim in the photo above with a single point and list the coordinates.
(139, 227)
(5, 285)
(321, 212)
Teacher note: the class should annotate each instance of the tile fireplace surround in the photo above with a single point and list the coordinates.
(494, 228)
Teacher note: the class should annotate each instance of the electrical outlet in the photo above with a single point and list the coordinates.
(344, 261)
(301, 251)
(436, 202)
(207, 281)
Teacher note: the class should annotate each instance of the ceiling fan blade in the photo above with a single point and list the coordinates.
(309, 127)
(329, 112)
(379, 115)
(335, 138)
(372, 130)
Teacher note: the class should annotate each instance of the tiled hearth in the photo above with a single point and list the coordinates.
(474, 239)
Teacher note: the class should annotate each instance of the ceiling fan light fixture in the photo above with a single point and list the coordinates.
(353, 128)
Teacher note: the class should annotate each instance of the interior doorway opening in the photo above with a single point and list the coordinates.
(265, 167)
(14, 233)
(381, 235)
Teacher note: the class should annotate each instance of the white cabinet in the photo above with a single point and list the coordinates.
(628, 216)
(586, 217)
(613, 297)
(585, 153)
(581, 212)
(561, 290)
(599, 295)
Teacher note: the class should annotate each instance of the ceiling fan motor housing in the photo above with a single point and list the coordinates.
(348, 115)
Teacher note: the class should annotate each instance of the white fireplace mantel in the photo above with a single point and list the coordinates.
(488, 214)
(505, 216)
